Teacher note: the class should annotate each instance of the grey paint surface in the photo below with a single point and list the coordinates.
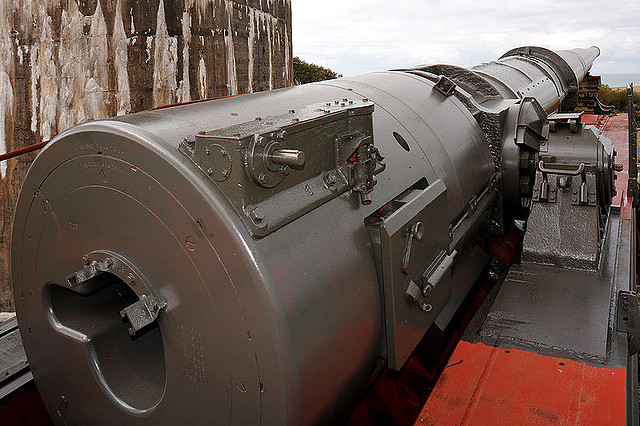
(280, 329)
(538, 305)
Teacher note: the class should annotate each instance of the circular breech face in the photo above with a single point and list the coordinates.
(102, 236)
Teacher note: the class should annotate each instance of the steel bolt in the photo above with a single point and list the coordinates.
(207, 151)
(255, 215)
(330, 179)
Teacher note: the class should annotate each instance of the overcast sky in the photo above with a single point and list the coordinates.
(357, 36)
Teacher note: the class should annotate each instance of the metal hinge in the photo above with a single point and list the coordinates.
(628, 318)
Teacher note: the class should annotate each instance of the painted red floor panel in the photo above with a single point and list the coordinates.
(486, 385)
(616, 129)
(594, 119)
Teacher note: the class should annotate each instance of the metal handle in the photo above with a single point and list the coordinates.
(290, 157)
(575, 172)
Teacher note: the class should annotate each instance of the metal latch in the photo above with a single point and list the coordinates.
(430, 280)
(364, 164)
(628, 318)
(141, 313)
(88, 279)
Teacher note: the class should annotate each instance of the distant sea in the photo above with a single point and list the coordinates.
(619, 80)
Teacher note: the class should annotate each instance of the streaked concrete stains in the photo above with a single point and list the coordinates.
(184, 88)
(66, 62)
(165, 54)
(6, 84)
(232, 76)
(96, 101)
(120, 43)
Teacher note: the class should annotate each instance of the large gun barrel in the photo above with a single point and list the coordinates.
(562, 70)
(252, 259)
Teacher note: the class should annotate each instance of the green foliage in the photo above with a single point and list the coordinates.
(304, 72)
(617, 97)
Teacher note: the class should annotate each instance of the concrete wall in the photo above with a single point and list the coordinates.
(63, 62)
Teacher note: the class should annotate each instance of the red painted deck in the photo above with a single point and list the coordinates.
(616, 129)
(486, 385)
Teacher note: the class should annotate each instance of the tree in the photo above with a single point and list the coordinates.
(305, 72)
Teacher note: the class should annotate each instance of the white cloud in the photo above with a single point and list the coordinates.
(353, 37)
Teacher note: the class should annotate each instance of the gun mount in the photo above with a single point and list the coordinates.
(253, 258)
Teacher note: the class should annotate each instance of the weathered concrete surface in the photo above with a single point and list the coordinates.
(63, 62)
